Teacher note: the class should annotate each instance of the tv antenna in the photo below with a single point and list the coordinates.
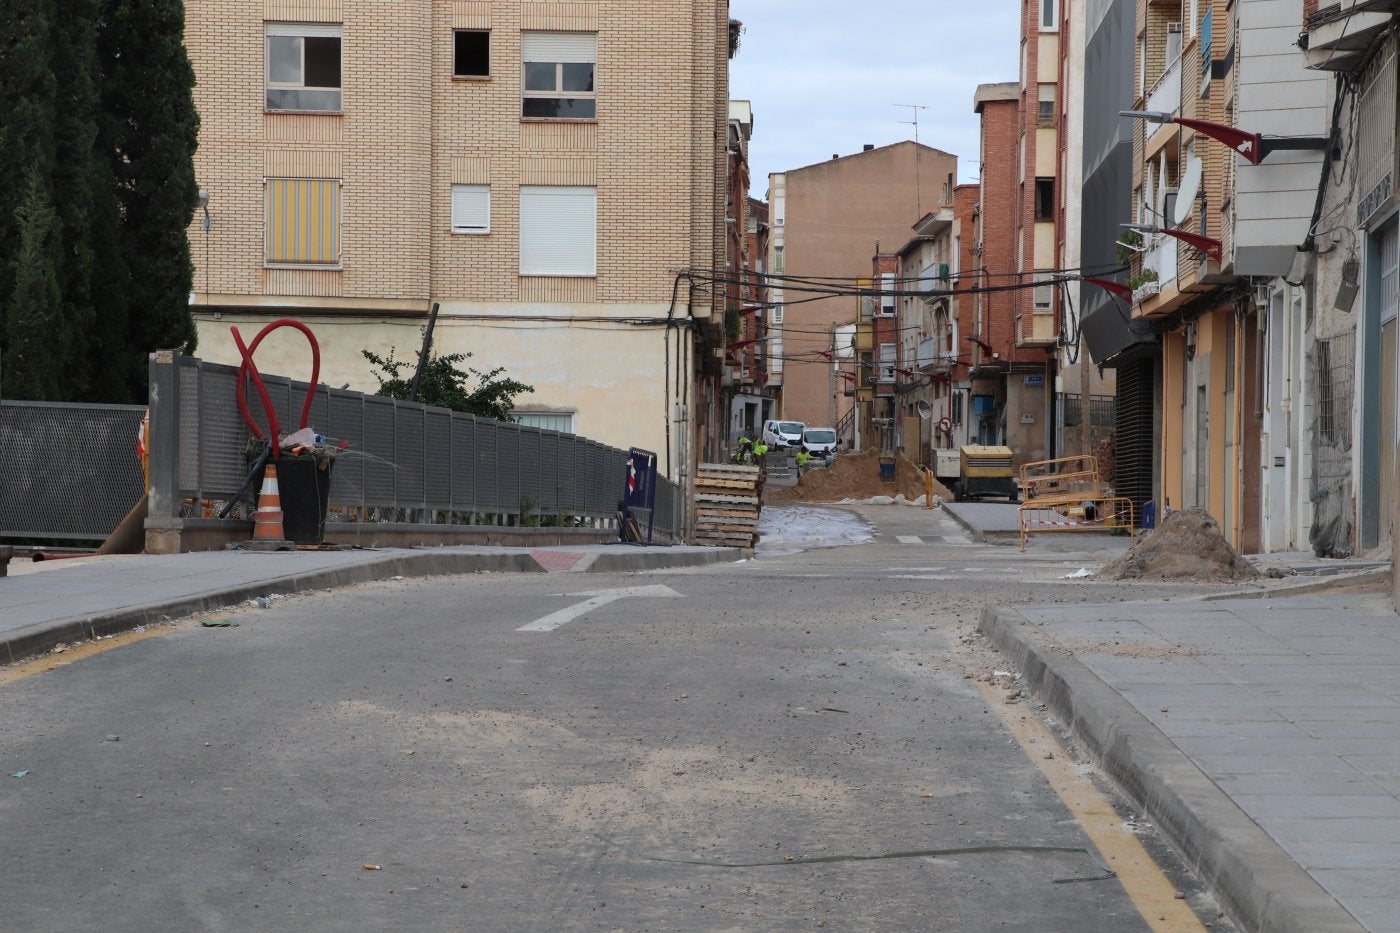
(914, 111)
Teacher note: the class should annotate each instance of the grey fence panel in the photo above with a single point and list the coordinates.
(488, 498)
(403, 462)
(378, 454)
(508, 466)
(437, 459)
(345, 421)
(67, 472)
(409, 436)
(462, 437)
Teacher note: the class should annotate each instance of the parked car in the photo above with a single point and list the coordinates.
(783, 434)
(820, 442)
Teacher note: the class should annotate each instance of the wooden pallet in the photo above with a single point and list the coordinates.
(727, 504)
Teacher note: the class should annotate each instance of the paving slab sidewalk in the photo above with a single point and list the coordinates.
(1261, 735)
(77, 598)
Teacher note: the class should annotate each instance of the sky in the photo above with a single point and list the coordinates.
(827, 76)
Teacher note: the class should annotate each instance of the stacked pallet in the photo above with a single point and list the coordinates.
(727, 504)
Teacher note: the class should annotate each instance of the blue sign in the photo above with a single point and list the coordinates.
(1035, 380)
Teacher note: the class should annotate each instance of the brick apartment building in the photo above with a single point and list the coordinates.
(827, 222)
(540, 171)
(1007, 394)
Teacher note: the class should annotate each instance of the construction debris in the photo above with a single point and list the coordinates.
(727, 504)
(1188, 546)
(856, 475)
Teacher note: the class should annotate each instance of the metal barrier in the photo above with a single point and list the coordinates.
(1067, 494)
(406, 463)
(1095, 514)
(68, 472)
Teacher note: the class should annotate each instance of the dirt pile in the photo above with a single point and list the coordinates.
(856, 475)
(1187, 545)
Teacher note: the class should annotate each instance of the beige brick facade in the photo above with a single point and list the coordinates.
(408, 130)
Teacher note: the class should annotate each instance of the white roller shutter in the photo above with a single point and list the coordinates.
(471, 209)
(558, 230)
(558, 47)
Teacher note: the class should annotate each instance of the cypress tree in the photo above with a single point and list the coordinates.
(34, 326)
(150, 131)
(28, 234)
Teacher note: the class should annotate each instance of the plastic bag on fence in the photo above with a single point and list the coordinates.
(303, 438)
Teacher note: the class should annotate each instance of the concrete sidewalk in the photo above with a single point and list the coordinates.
(1259, 734)
(42, 604)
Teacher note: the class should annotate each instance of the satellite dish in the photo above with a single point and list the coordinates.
(922, 407)
(1188, 189)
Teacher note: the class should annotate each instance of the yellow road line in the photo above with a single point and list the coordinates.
(76, 652)
(1149, 889)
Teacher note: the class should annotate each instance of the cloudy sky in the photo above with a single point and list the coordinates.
(825, 76)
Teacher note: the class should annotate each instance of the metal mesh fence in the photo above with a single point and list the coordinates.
(1333, 379)
(405, 462)
(67, 472)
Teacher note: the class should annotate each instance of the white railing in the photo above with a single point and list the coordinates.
(1160, 257)
(1166, 92)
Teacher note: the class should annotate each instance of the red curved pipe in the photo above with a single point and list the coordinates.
(249, 369)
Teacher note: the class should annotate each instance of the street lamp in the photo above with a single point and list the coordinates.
(1204, 244)
(1252, 146)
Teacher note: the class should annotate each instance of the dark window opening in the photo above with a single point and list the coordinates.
(1044, 199)
(471, 54)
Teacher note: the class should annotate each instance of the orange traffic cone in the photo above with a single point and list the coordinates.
(267, 521)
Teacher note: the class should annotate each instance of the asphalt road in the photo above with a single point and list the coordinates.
(810, 741)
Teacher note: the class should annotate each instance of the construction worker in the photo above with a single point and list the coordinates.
(759, 450)
(745, 452)
(802, 458)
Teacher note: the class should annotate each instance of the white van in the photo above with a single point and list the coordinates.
(819, 442)
(782, 434)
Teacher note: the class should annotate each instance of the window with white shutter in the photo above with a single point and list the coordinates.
(471, 209)
(558, 230)
(557, 72)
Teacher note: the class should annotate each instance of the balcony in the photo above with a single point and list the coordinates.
(1035, 329)
(1165, 93)
(1338, 35)
(931, 356)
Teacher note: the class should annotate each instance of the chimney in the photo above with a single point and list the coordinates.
(867, 147)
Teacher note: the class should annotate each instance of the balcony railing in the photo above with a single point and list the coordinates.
(1165, 94)
(1160, 257)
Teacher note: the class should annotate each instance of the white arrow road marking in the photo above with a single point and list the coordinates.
(599, 598)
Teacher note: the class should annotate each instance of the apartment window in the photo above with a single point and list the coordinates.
(778, 259)
(557, 75)
(301, 221)
(561, 421)
(1044, 199)
(1043, 294)
(1045, 112)
(303, 67)
(471, 209)
(471, 54)
(558, 230)
(1049, 15)
(887, 362)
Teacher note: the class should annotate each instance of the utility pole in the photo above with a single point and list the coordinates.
(918, 199)
(831, 381)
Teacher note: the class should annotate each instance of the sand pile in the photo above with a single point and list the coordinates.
(1187, 545)
(856, 475)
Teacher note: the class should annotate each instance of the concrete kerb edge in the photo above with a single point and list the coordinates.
(622, 561)
(1306, 588)
(971, 529)
(1255, 880)
(41, 637)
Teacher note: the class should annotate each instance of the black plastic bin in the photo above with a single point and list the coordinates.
(304, 488)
